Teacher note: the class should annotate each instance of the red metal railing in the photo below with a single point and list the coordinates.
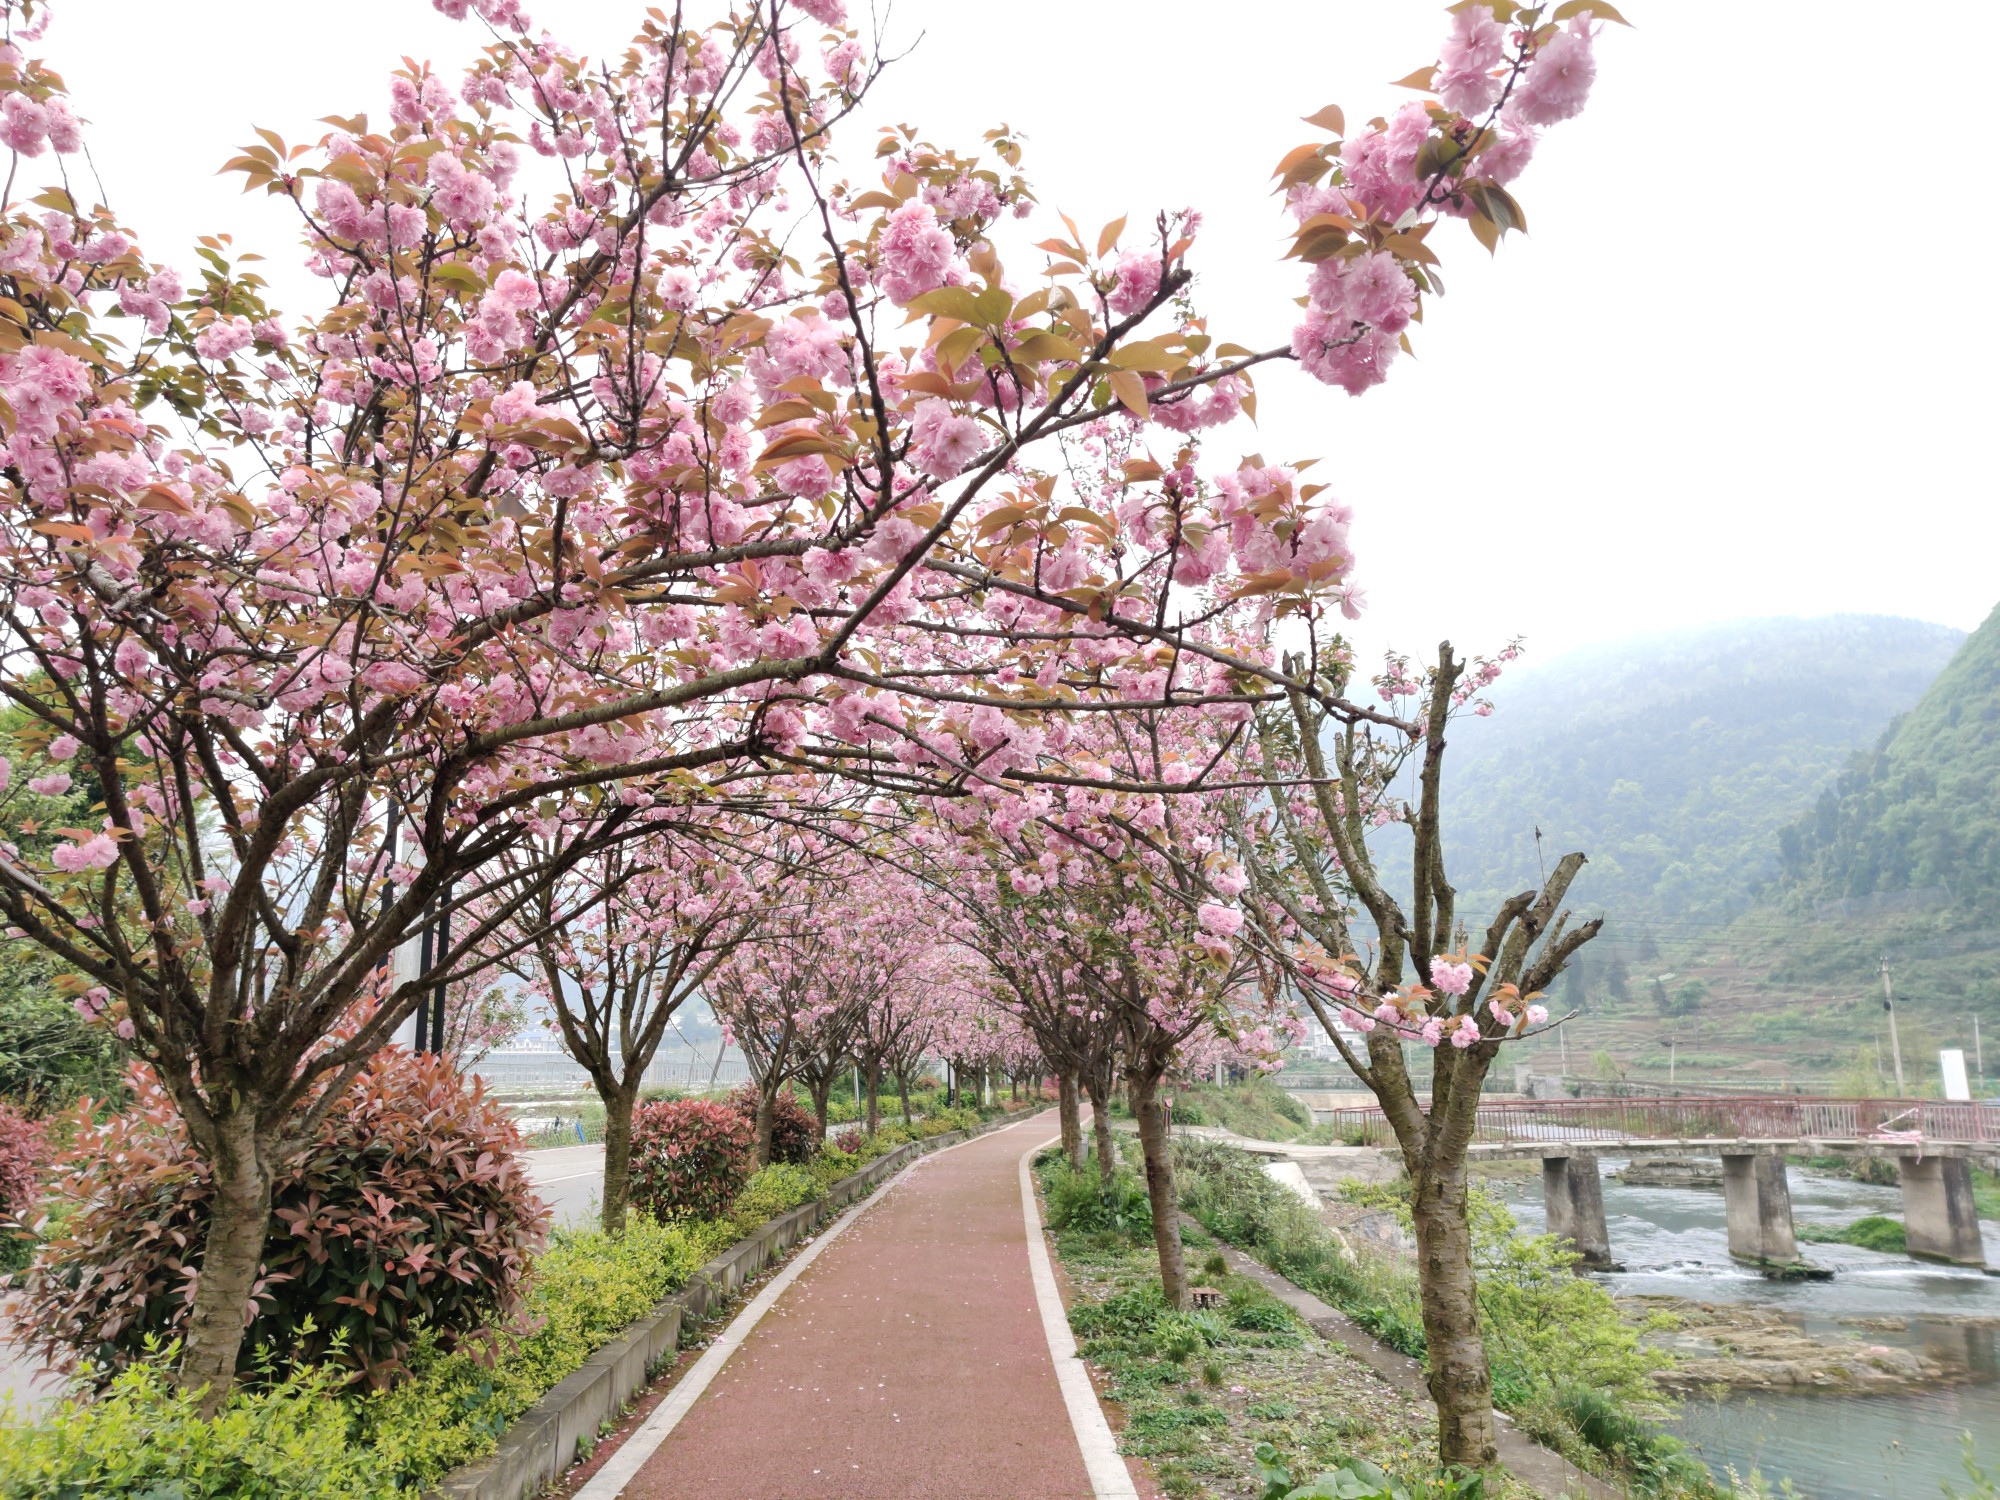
(1781, 1117)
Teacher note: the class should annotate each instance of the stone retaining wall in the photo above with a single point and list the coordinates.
(543, 1441)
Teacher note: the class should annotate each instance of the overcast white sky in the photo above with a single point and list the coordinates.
(1737, 369)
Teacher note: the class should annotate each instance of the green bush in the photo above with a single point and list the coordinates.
(585, 1290)
(142, 1438)
(1080, 1203)
(777, 1189)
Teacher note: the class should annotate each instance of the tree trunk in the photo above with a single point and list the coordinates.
(1100, 1126)
(874, 1097)
(903, 1091)
(822, 1092)
(1460, 1382)
(767, 1119)
(618, 1105)
(1071, 1115)
(1014, 1087)
(239, 1222)
(1160, 1188)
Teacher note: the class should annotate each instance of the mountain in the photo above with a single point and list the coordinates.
(1917, 818)
(1674, 761)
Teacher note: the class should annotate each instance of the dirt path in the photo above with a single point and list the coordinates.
(908, 1362)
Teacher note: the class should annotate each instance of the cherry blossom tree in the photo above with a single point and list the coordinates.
(1409, 976)
(660, 460)
(630, 934)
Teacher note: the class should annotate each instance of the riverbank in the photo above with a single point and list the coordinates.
(1839, 1422)
(1571, 1371)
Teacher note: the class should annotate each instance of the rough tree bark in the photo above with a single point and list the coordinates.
(1071, 1115)
(1460, 1381)
(1158, 1150)
(874, 1087)
(619, 1103)
(903, 1092)
(1100, 1129)
(767, 1119)
(822, 1093)
(230, 1259)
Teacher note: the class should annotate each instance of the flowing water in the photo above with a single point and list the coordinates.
(1895, 1446)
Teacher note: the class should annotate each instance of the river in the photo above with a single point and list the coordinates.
(1673, 1241)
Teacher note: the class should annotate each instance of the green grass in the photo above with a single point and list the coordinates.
(1875, 1232)
(1199, 1391)
(1986, 1193)
(1256, 1108)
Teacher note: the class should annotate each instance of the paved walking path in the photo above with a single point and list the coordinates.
(907, 1362)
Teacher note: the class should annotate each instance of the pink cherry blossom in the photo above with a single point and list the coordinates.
(94, 853)
(1450, 978)
(1558, 79)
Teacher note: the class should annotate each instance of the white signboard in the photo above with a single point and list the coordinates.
(1951, 1063)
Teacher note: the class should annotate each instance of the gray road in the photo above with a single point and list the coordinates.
(569, 1178)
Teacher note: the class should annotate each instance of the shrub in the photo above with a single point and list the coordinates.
(941, 1121)
(794, 1128)
(690, 1158)
(23, 1144)
(23, 1148)
(407, 1208)
(778, 1188)
(585, 1289)
(143, 1439)
(1078, 1202)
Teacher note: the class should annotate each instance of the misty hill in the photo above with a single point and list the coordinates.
(1675, 760)
(1918, 816)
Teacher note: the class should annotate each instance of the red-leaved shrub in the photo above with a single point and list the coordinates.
(794, 1128)
(689, 1157)
(407, 1209)
(23, 1145)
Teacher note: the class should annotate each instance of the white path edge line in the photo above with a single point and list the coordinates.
(623, 1466)
(1109, 1478)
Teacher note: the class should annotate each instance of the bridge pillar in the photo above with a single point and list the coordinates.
(1758, 1202)
(1940, 1221)
(1574, 1195)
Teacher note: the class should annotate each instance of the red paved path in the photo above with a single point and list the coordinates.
(907, 1362)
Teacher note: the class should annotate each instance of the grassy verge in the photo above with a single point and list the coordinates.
(1256, 1108)
(1566, 1365)
(1219, 1400)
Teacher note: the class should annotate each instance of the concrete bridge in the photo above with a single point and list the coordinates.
(1933, 1145)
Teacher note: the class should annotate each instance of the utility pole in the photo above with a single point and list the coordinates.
(1895, 1045)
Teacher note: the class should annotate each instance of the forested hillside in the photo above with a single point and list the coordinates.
(1919, 814)
(1674, 761)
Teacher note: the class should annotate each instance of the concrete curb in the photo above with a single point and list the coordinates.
(1542, 1469)
(540, 1444)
